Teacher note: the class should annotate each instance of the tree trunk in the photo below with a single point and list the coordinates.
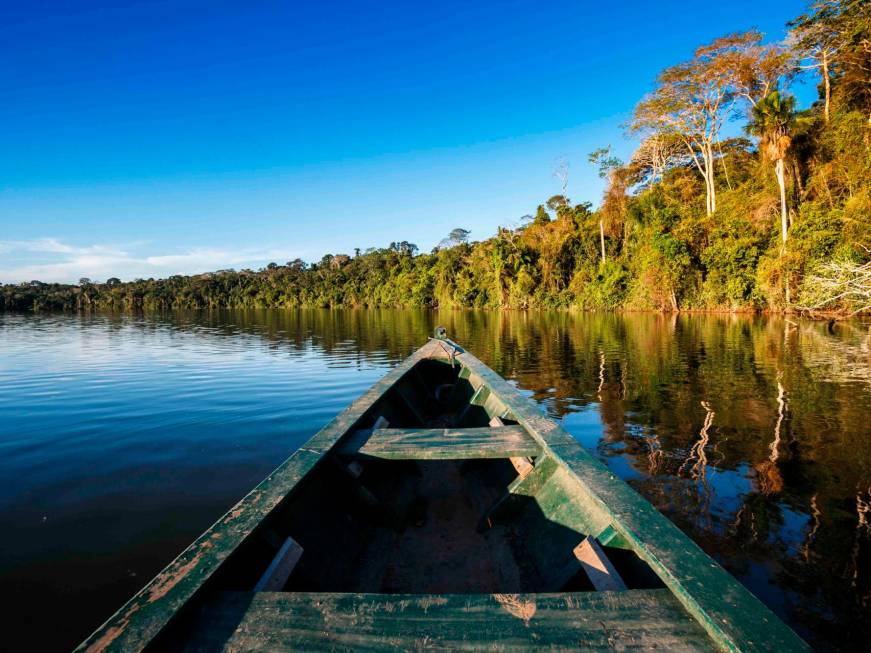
(705, 169)
(708, 174)
(827, 84)
(784, 220)
(707, 192)
(602, 238)
(713, 192)
(725, 168)
(781, 181)
(707, 177)
(798, 186)
(711, 172)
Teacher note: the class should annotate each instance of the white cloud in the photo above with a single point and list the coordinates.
(51, 260)
(46, 245)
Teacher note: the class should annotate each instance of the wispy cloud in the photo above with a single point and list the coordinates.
(52, 260)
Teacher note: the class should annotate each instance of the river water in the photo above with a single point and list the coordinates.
(122, 437)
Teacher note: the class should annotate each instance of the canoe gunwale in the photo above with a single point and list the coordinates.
(733, 618)
(707, 591)
(151, 609)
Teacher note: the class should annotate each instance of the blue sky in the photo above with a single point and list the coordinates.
(154, 138)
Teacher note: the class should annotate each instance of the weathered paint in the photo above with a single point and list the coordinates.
(444, 444)
(151, 609)
(593, 621)
(733, 618)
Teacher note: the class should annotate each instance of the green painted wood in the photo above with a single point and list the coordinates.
(506, 506)
(635, 620)
(580, 491)
(443, 444)
(493, 406)
(734, 618)
(610, 537)
(478, 398)
(145, 615)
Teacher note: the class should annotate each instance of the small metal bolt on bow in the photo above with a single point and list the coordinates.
(441, 334)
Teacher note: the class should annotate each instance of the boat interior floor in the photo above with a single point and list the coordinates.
(437, 489)
(435, 513)
(436, 579)
(442, 549)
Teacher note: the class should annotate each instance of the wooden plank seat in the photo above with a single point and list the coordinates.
(442, 444)
(320, 497)
(295, 621)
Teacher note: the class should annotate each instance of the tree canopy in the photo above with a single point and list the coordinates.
(693, 220)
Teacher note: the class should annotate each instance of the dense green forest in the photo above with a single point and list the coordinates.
(777, 219)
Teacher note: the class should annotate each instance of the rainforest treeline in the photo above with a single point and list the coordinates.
(776, 218)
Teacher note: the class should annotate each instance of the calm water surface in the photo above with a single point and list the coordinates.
(124, 437)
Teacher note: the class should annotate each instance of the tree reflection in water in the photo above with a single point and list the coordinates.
(752, 434)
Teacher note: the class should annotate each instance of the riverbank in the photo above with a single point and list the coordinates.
(68, 299)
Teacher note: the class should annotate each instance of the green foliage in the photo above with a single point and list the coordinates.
(771, 120)
(541, 215)
(664, 249)
(730, 262)
(604, 161)
(816, 232)
(604, 288)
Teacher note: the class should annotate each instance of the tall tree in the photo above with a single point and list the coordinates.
(557, 203)
(816, 39)
(655, 154)
(759, 68)
(771, 120)
(689, 105)
(693, 99)
(854, 58)
(458, 236)
(609, 167)
(541, 216)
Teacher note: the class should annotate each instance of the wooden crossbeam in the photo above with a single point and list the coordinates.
(597, 566)
(516, 497)
(610, 537)
(522, 465)
(442, 444)
(589, 557)
(279, 570)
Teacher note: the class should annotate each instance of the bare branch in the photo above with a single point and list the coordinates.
(842, 286)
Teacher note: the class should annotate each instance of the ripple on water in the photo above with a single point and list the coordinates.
(122, 437)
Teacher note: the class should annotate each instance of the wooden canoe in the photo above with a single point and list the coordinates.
(442, 510)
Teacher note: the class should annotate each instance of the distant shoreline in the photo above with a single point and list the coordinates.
(569, 310)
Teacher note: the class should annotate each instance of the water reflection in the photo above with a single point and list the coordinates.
(124, 436)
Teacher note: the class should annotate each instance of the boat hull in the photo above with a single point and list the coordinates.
(442, 508)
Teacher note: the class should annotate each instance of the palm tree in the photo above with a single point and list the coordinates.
(771, 121)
